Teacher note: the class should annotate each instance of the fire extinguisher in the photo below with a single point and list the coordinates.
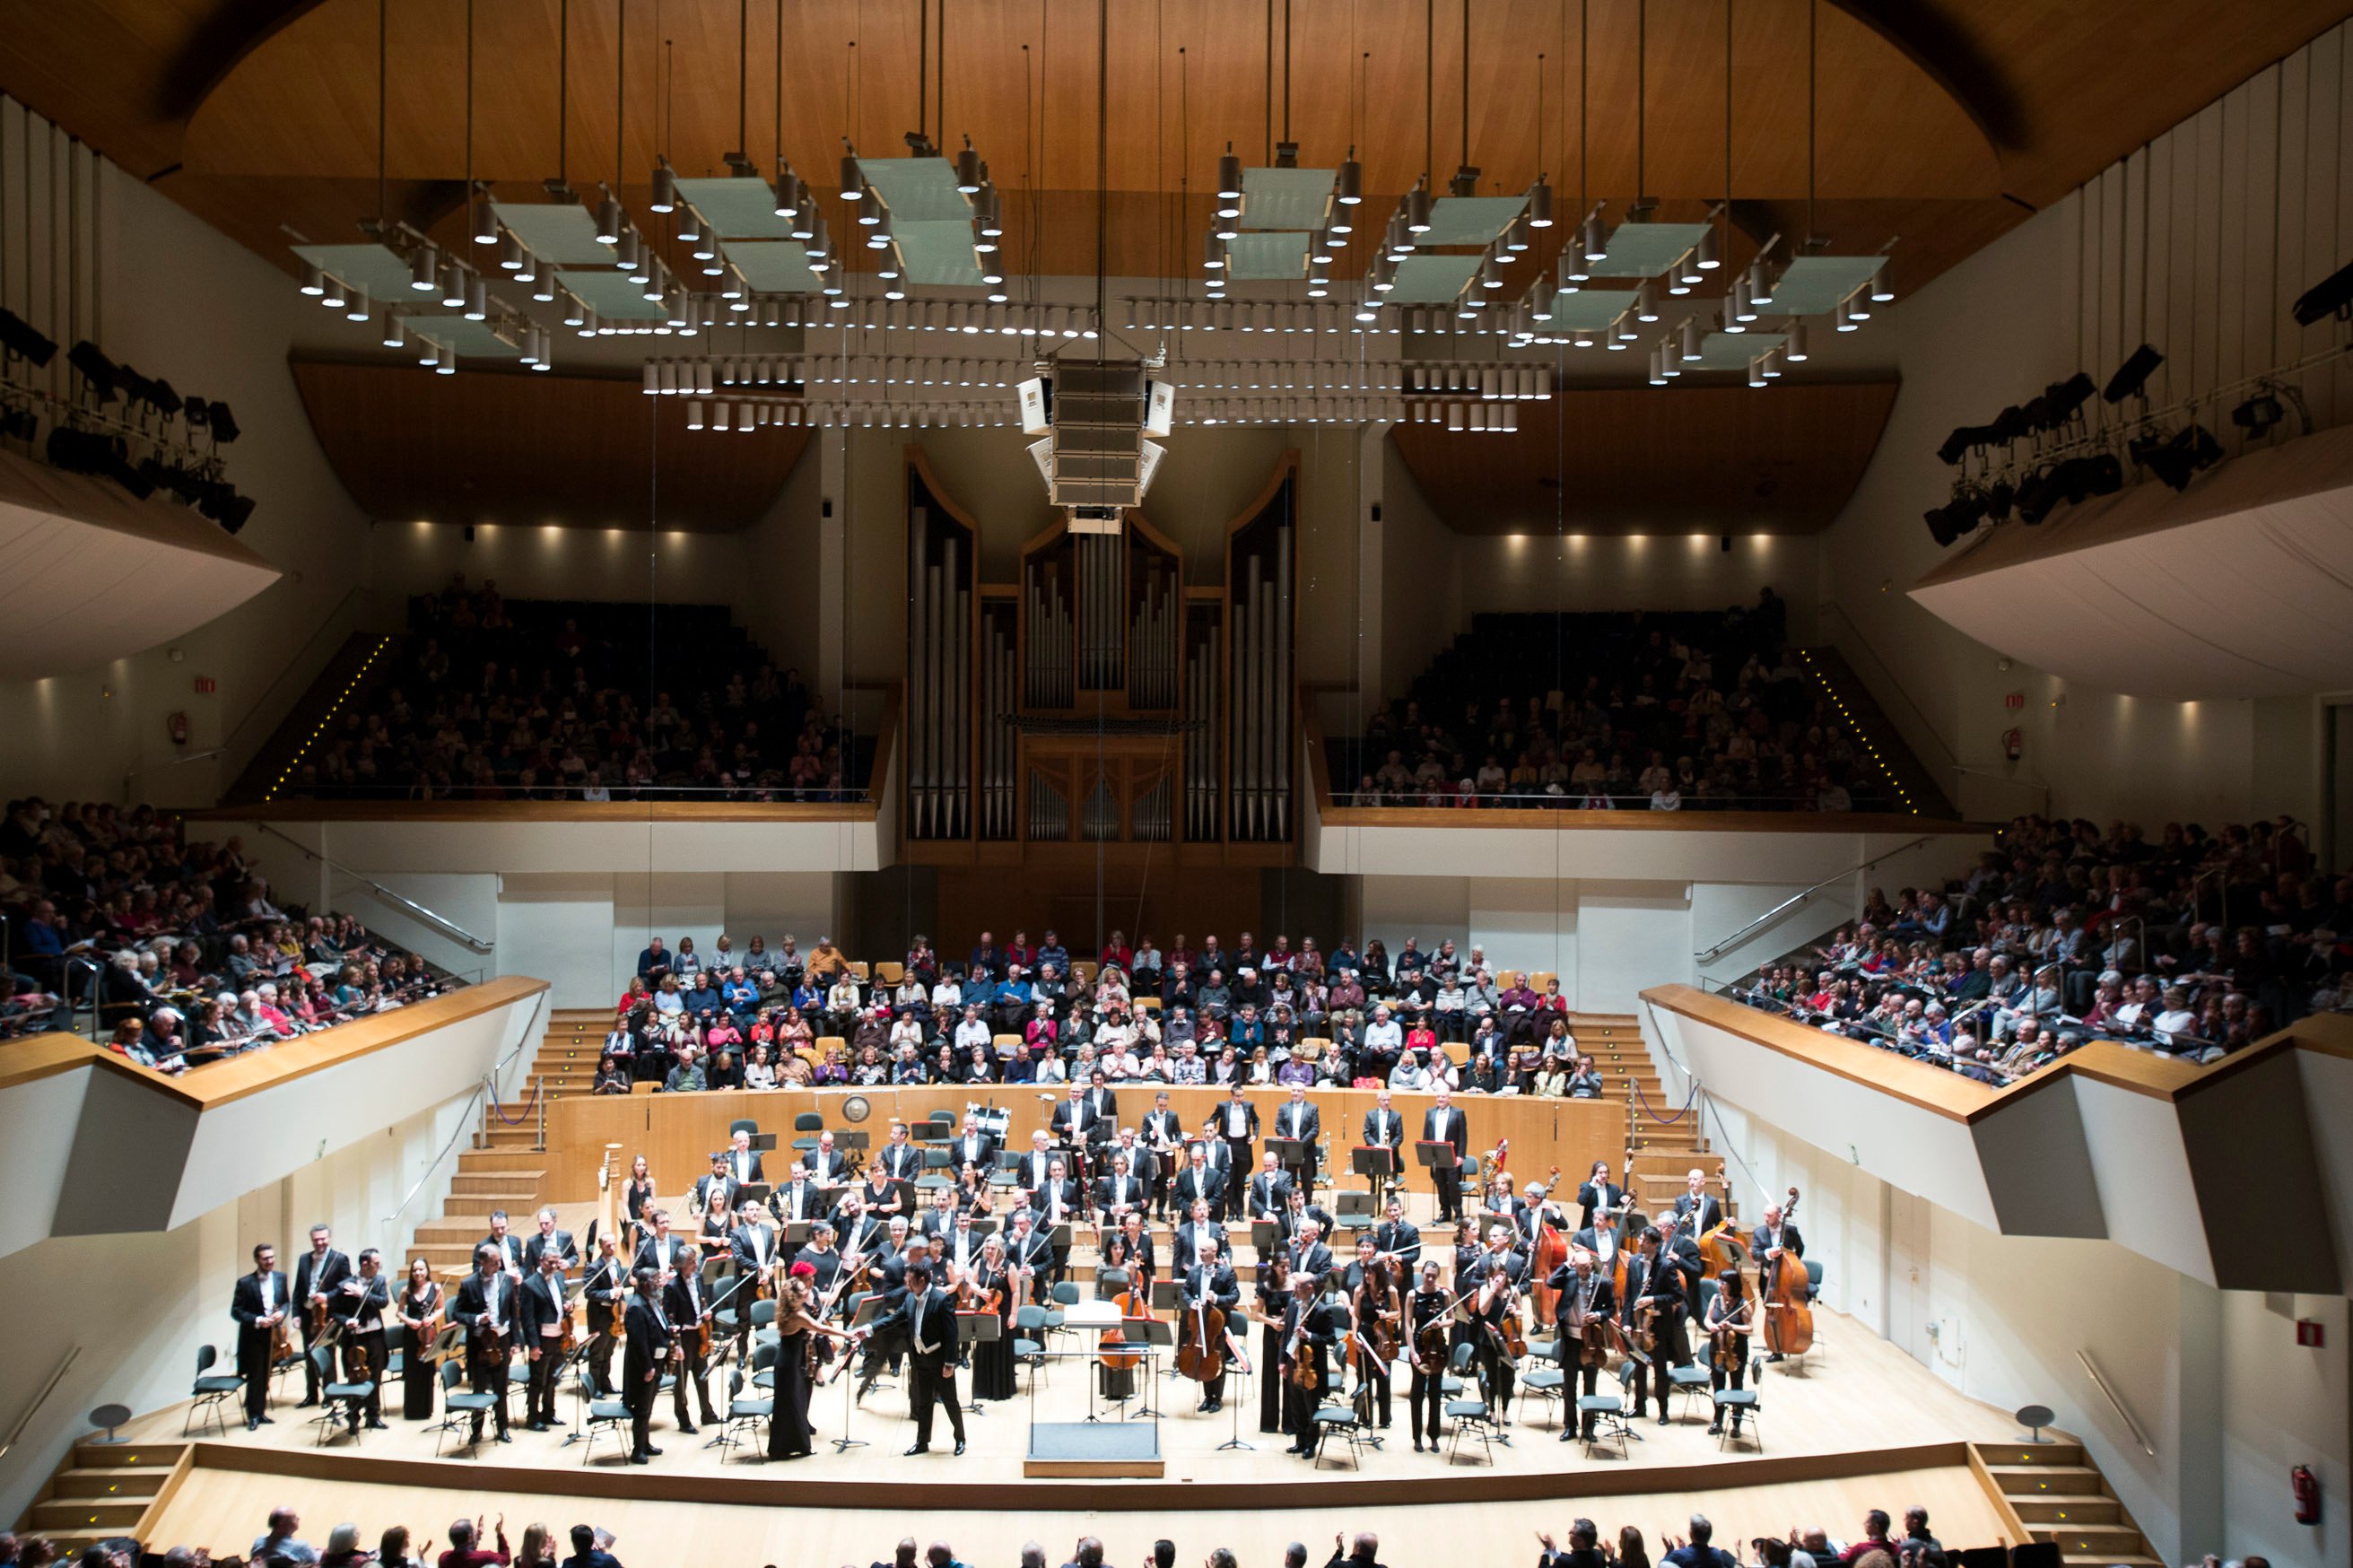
(2013, 743)
(2308, 1494)
(178, 725)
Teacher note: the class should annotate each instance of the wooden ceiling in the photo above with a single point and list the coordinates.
(1645, 459)
(1942, 121)
(513, 447)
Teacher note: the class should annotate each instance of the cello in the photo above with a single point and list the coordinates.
(1201, 1343)
(1131, 1303)
(1786, 1289)
(1720, 1247)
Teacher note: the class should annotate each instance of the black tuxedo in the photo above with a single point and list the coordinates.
(1710, 1214)
(1593, 1197)
(314, 1276)
(1200, 1183)
(1104, 1103)
(247, 1305)
(752, 1246)
(1211, 1288)
(1401, 1240)
(1036, 1253)
(684, 1301)
(801, 1200)
(650, 1336)
(361, 1304)
(745, 1167)
(561, 1244)
(1299, 1119)
(1456, 1132)
(1186, 1249)
(1077, 1121)
(974, 1149)
(1309, 1323)
(930, 1325)
(826, 1169)
(509, 1246)
(1115, 1191)
(905, 1162)
(540, 1310)
(1384, 1130)
(488, 1308)
(1760, 1240)
(605, 1290)
(1269, 1196)
(677, 1254)
(1313, 1262)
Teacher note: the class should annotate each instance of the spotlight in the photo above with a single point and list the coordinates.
(477, 298)
(1465, 182)
(1349, 185)
(2037, 494)
(356, 307)
(1704, 253)
(18, 338)
(852, 183)
(159, 395)
(98, 372)
(1793, 350)
(1948, 523)
(2258, 414)
(224, 423)
(1417, 210)
(481, 223)
(787, 194)
(991, 213)
(2332, 295)
(2133, 374)
(424, 269)
(870, 207)
(314, 283)
(218, 500)
(2179, 458)
(1882, 289)
(1963, 439)
(104, 456)
(331, 292)
(1595, 242)
(2061, 400)
(453, 287)
(1515, 235)
(1760, 283)
(1213, 252)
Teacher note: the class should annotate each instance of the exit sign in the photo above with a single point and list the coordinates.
(2014, 699)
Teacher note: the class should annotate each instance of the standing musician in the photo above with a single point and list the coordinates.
(1697, 1211)
(882, 1197)
(1495, 1303)
(1142, 1165)
(317, 1273)
(1586, 1307)
(798, 1201)
(899, 1159)
(927, 1318)
(1427, 1312)
(757, 1258)
(1730, 1317)
(1036, 1166)
(1235, 1125)
(1442, 1123)
(1532, 1216)
(636, 1198)
(939, 1219)
(972, 1146)
(360, 1302)
(1028, 1257)
(509, 1245)
(1200, 1183)
(1077, 1125)
(1118, 1193)
(420, 1307)
(743, 1160)
(605, 1290)
(1302, 1366)
(1777, 1238)
(824, 1262)
(1103, 1102)
(1657, 1291)
(859, 1232)
(1209, 1282)
(1598, 1195)
(260, 1306)
(486, 1306)
(1310, 1258)
(828, 1168)
(1055, 1204)
(1299, 1118)
(541, 1312)
(1297, 1211)
(652, 1344)
(688, 1307)
(1142, 1259)
(661, 1250)
(963, 1243)
(1380, 1324)
(1199, 1230)
(1270, 1192)
(1397, 1238)
(1163, 1140)
(549, 1237)
(1385, 1129)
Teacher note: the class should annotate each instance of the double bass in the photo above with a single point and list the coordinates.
(1786, 1290)
(1721, 1248)
(1550, 1250)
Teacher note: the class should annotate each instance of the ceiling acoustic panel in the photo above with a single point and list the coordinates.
(563, 233)
(1266, 258)
(917, 190)
(370, 267)
(1468, 220)
(939, 252)
(612, 296)
(1814, 285)
(1588, 310)
(1431, 280)
(472, 340)
(773, 267)
(1647, 249)
(736, 207)
(1286, 198)
(1733, 350)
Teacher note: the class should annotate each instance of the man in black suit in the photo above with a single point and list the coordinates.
(1773, 1240)
(826, 1166)
(317, 1273)
(899, 1159)
(798, 1200)
(1310, 1258)
(1398, 1237)
(258, 1304)
(1442, 1123)
(1385, 1129)
(1306, 1335)
(1163, 1140)
(651, 1340)
(486, 1307)
(1235, 1125)
(1198, 1182)
(541, 1309)
(714, 1193)
(1598, 1195)
(1298, 1118)
(1270, 1191)
(1118, 1192)
(661, 1250)
(1664, 1290)
(1194, 1234)
(549, 1239)
(743, 1160)
(509, 1245)
(1210, 1283)
(605, 1290)
(687, 1304)
(1029, 1258)
(928, 1319)
(973, 1147)
(1586, 1297)
(360, 1302)
(1076, 1124)
(1697, 1211)
(1103, 1100)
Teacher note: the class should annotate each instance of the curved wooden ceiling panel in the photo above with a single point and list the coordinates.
(485, 447)
(1702, 459)
(301, 100)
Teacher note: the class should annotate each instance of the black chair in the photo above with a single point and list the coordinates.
(338, 1402)
(212, 1391)
(809, 1124)
(1470, 1413)
(604, 1413)
(460, 1407)
(1741, 1404)
(1609, 1413)
(747, 1410)
(742, 1124)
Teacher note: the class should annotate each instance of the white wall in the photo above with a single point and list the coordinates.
(181, 301)
(2072, 288)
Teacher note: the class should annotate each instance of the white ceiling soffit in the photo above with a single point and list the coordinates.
(2241, 586)
(89, 575)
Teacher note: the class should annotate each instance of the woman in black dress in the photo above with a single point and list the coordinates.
(1119, 1382)
(1273, 1295)
(420, 1314)
(789, 1432)
(636, 1198)
(992, 1360)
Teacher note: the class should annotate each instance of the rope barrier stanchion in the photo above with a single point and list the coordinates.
(528, 1100)
(1644, 1101)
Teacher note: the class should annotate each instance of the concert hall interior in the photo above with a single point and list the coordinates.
(1448, 772)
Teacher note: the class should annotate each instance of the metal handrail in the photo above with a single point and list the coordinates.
(1711, 954)
(487, 1086)
(1896, 684)
(96, 981)
(440, 923)
(40, 1399)
(2130, 1425)
(2222, 897)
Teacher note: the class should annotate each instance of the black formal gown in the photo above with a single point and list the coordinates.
(416, 1373)
(1271, 1301)
(992, 1360)
(789, 1432)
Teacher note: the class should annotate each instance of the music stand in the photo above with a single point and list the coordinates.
(868, 1312)
(1265, 1238)
(1160, 1336)
(1378, 1164)
(764, 1143)
(796, 1232)
(977, 1329)
(754, 1193)
(1297, 1155)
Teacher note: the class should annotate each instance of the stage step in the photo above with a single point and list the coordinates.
(113, 1482)
(2063, 1510)
(93, 1455)
(2061, 1498)
(501, 1136)
(92, 1516)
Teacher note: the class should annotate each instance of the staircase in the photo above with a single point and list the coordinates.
(102, 1491)
(2054, 1493)
(1662, 1152)
(1915, 788)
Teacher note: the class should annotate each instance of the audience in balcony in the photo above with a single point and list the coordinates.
(108, 904)
(2193, 946)
(492, 700)
(1687, 713)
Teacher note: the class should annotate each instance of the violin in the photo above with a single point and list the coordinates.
(1301, 1373)
(1725, 1334)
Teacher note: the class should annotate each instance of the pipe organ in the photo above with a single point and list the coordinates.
(1100, 698)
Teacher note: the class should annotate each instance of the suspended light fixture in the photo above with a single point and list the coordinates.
(1760, 283)
(1694, 341)
(394, 329)
(610, 221)
(1594, 241)
(1794, 349)
(1417, 210)
(1213, 252)
(1646, 301)
(869, 208)
(1230, 175)
(1659, 364)
(356, 307)
(992, 212)
(481, 223)
(819, 246)
(314, 283)
(477, 298)
(424, 269)
(453, 286)
(331, 291)
(1882, 284)
(1539, 213)
(1743, 309)
(852, 183)
(1349, 185)
(629, 255)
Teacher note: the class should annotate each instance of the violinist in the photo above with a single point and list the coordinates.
(989, 1279)
(1380, 1322)
(1661, 1305)
(1197, 1232)
(1273, 1289)
(1730, 1317)
(1028, 1256)
(1495, 1309)
(1207, 1284)
(1303, 1369)
(1397, 1239)
(1695, 1210)
(1143, 1257)
(605, 1290)
(540, 1312)
(753, 1247)
(1586, 1304)
(1118, 1193)
(1163, 1148)
(652, 1341)
(1428, 1309)
(486, 1305)
(1310, 1258)
(687, 1308)
(1599, 1196)
(359, 1302)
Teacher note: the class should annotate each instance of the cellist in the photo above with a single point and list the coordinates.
(1209, 1285)
(1379, 1322)
(1587, 1306)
